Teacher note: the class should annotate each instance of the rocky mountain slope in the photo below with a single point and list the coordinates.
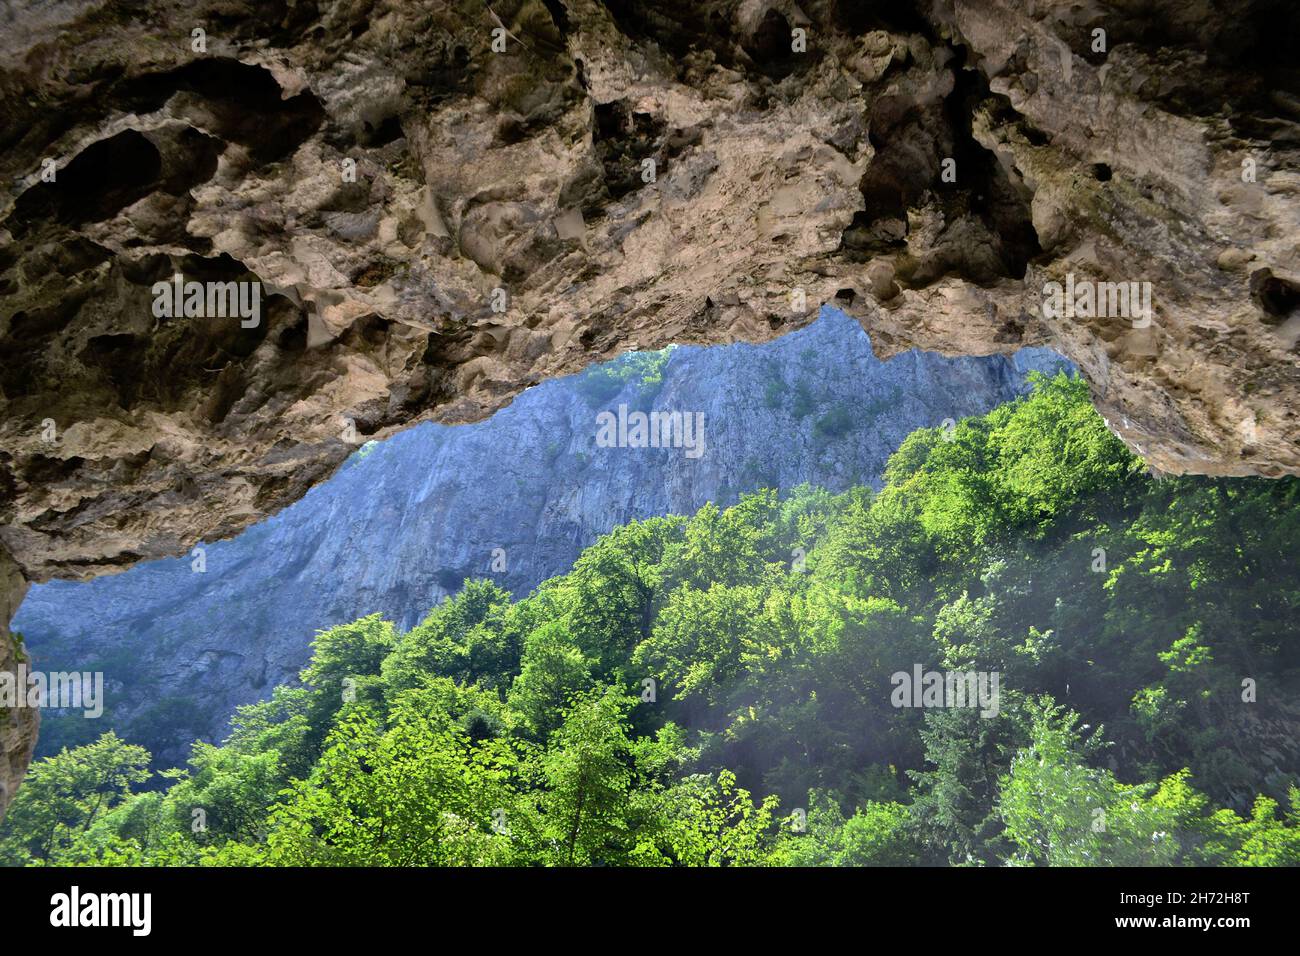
(514, 498)
(628, 173)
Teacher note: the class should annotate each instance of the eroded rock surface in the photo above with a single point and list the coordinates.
(18, 725)
(631, 173)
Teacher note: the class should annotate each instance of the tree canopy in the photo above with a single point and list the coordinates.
(716, 689)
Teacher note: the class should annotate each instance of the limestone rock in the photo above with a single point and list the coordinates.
(645, 171)
(18, 725)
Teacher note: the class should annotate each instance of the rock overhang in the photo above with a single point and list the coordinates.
(444, 204)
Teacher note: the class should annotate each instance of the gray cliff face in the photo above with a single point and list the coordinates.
(408, 519)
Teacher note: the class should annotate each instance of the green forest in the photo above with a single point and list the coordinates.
(716, 689)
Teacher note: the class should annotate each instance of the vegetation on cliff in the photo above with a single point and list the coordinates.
(718, 689)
